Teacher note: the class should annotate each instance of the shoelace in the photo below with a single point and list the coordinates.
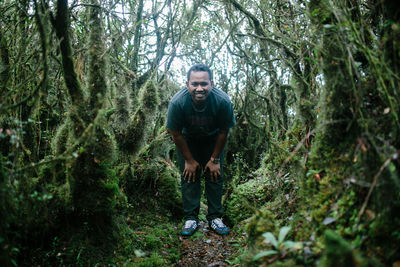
(219, 222)
(189, 223)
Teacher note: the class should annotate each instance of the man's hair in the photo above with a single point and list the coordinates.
(200, 67)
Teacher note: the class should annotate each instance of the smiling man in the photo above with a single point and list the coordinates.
(199, 119)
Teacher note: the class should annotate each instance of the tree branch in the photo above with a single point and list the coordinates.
(61, 24)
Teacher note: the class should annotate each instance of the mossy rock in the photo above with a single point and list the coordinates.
(246, 198)
(154, 183)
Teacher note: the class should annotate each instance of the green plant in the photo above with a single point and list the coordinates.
(280, 246)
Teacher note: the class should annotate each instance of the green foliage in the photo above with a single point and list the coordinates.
(384, 232)
(148, 97)
(147, 238)
(131, 132)
(248, 143)
(153, 260)
(153, 183)
(7, 213)
(262, 221)
(316, 167)
(338, 252)
(279, 153)
(246, 198)
(280, 246)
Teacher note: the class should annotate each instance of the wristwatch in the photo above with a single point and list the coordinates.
(215, 160)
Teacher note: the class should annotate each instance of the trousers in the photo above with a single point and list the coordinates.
(201, 150)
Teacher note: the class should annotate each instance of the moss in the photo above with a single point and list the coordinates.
(103, 141)
(276, 158)
(8, 215)
(94, 185)
(97, 79)
(160, 146)
(304, 226)
(121, 116)
(147, 237)
(287, 263)
(148, 96)
(136, 132)
(336, 124)
(337, 252)
(61, 137)
(131, 136)
(246, 198)
(154, 260)
(262, 221)
(385, 234)
(155, 184)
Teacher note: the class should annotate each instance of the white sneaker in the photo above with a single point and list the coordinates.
(189, 228)
(218, 226)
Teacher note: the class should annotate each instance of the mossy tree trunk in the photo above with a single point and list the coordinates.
(358, 116)
(93, 184)
(132, 125)
(336, 121)
(391, 44)
(4, 63)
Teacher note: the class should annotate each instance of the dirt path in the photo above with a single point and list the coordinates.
(205, 248)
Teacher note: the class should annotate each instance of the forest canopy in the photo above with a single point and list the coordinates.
(88, 171)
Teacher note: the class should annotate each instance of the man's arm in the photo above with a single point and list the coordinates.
(219, 146)
(191, 165)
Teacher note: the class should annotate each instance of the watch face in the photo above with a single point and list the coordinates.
(216, 160)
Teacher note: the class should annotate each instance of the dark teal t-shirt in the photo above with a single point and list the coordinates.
(216, 114)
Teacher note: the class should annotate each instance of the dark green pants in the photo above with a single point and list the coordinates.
(201, 149)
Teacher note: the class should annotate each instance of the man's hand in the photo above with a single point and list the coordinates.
(214, 169)
(191, 165)
(189, 173)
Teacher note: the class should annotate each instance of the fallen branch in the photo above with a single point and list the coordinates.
(384, 165)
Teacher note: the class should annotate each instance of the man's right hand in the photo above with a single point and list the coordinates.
(189, 173)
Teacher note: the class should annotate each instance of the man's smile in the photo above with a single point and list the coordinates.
(200, 94)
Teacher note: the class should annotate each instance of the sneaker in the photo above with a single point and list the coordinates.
(218, 226)
(189, 228)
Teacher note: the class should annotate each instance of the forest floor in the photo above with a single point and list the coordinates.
(155, 240)
(205, 247)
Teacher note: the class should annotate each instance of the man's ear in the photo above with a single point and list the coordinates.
(187, 84)
(212, 83)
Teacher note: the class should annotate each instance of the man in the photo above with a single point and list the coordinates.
(199, 118)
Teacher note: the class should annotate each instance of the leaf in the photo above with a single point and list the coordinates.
(269, 237)
(290, 244)
(328, 26)
(328, 220)
(139, 253)
(283, 232)
(315, 12)
(264, 253)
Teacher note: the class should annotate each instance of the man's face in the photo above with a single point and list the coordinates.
(199, 86)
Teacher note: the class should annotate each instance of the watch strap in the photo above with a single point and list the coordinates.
(215, 160)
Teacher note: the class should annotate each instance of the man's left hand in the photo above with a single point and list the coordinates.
(214, 169)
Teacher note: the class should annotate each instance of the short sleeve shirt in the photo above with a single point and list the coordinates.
(184, 116)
